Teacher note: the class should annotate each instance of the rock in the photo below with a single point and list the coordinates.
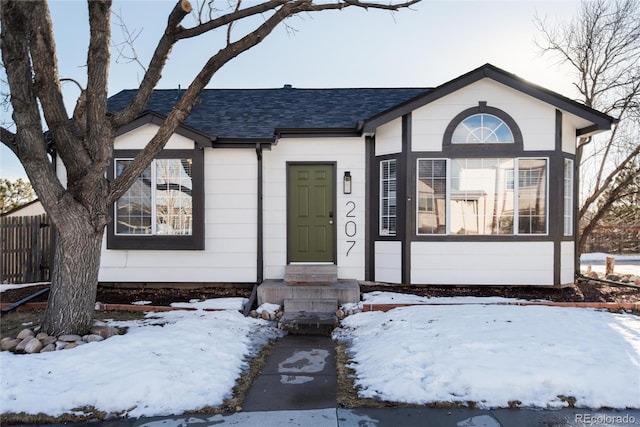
(23, 344)
(340, 314)
(104, 331)
(25, 333)
(80, 342)
(96, 322)
(253, 314)
(613, 277)
(636, 281)
(70, 338)
(9, 344)
(265, 315)
(94, 338)
(33, 346)
(70, 345)
(41, 336)
(48, 340)
(593, 274)
(48, 347)
(60, 345)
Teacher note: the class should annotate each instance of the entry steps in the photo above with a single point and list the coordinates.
(310, 295)
(311, 273)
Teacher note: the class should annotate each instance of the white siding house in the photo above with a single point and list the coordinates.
(468, 183)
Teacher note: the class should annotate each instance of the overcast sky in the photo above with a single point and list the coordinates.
(426, 46)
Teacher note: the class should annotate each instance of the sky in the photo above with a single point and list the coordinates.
(426, 46)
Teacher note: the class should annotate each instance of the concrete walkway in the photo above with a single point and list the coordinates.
(299, 374)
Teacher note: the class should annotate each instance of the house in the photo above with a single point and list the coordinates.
(472, 182)
(31, 208)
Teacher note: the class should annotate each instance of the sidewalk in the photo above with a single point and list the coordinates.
(397, 417)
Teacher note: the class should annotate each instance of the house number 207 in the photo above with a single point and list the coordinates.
(350, 228)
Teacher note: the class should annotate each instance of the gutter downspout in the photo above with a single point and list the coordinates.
(260, 254)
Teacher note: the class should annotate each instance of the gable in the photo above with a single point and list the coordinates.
(587, 120)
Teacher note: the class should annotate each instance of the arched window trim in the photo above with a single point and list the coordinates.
(483, 108)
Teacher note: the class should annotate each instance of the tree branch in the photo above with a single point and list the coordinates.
(156, 65)
(47, 85)
(99, 136)
(28, 142)
(8, 138)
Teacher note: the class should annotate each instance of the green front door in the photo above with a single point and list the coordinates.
(310, 213)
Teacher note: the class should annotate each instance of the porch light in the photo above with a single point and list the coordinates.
(346, 183)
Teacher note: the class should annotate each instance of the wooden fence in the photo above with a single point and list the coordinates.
(26, 244)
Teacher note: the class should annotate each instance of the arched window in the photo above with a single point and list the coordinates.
(482, 128)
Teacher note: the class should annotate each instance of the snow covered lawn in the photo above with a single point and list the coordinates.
(166, 364)
(493, 355)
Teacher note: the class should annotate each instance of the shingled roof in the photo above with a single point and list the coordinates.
(257, 113)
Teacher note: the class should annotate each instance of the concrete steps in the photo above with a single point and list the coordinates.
(311, 274)
(310, 295)
(317, 305)
(308, 323)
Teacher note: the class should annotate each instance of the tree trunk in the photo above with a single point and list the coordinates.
(74, 280)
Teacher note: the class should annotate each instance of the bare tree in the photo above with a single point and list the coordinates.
(602, 46)
(80, 210)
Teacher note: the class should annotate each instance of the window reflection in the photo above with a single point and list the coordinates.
(165, 211)
(481, 198)
(432, 191)
(482, 129)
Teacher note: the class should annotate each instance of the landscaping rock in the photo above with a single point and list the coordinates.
(9, 344)
(48, 340)
(48, 347)
(24, 334)
(94, 338)
(61, 345)
(70, 338)
(104, 331)
(23, 344)
(41, 336)
(70, 345)
(33, 346)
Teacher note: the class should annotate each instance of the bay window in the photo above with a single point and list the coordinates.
(482, 196)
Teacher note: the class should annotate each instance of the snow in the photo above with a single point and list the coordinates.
(235, 303)
(268, 307)
(197, 355)
(496, 354)
(382, 297)
(624, 264)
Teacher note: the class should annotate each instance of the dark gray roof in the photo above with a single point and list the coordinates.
(257, 113)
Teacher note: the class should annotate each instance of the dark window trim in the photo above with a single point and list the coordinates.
(486, 148)
(193, 242)
(375, 178)
(487, 238)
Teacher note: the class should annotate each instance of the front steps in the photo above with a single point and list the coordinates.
(310, 296)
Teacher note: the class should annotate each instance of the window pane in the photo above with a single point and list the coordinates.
(482, 201)
(482, 129)
(388, 198)
(568, 197)
(173, 196)
(133, 209)
(432, 184)
(532, 196)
